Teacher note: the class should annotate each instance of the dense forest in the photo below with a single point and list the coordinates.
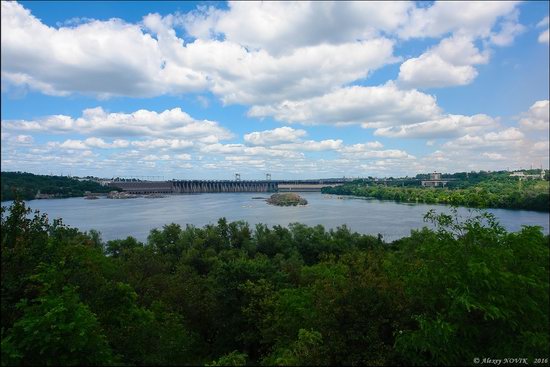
(491, 191)
(228, 294)
(27, 185)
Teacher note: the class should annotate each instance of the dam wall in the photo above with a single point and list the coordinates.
(200, 186)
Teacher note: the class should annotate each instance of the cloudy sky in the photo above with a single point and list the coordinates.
(298, 90)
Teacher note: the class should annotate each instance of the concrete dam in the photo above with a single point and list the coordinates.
(195, 186)
(203, 186)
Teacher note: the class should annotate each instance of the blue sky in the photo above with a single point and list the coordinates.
(298, 90)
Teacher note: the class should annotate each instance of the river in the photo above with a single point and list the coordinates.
(118, 218)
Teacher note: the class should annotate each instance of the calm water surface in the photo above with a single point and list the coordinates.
(136, 217)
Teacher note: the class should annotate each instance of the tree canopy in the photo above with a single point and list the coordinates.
(480, 191)
(26, 185)
(229, 294)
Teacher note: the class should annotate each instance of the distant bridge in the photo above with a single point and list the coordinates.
(202, 186)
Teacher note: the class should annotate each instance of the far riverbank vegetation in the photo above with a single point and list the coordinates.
(28, 186)
(476, 190)
(231, 294)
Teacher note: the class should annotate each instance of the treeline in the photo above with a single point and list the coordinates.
(26, 185)
(468, 179)
(505, 193)
(228, 294)
(455, 180)
(474, 177)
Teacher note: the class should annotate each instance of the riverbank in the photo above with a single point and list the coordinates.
(28, 186)
(509, 194)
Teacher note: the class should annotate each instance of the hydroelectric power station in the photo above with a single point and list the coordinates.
(203, 186)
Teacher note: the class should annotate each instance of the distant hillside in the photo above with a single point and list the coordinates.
(27, 186)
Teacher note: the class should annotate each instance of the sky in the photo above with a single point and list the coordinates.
(204, 90)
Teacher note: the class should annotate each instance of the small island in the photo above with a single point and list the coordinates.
(286, 199)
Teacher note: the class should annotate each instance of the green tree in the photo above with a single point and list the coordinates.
(306, 350)
(473, 292)
(56, 330)
(234, 358)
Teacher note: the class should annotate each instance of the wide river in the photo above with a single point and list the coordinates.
(118, 218)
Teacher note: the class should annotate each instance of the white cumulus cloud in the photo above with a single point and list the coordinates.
(537, 118)
(98, 57)
(276, 136)
(282, 26)
(471, 18)
(115, 58)
(447, 64)
(448, 126)
(376, 106)
(168, 123)
(24, 139)
(312, 145)
(544, 35)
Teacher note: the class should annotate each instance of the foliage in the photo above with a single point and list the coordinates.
(232, 359)
(228, 294)
(493, 191)
(26, 185)
(286, 199)
(472, 284)
(56, 329)
(305, 351)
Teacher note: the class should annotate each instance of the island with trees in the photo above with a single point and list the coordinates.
(286, 199)
(231, 294)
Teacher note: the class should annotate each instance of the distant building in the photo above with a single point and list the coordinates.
(523, 176)
(104, 182)
(436, 176)
(434, 181)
